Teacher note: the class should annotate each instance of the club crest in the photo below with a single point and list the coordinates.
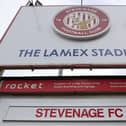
(81, 22)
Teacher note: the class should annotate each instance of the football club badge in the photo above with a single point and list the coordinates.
(82, 22)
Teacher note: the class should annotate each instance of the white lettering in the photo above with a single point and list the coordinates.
(19, 86)
(26, 85)
(33, 86)
(40, 85)
(13, 86)
(7, 85)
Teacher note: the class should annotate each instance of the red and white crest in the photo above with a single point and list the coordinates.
(81, 22)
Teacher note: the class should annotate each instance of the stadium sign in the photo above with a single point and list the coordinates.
(77, 36)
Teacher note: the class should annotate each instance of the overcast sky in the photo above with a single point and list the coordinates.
(8, 9)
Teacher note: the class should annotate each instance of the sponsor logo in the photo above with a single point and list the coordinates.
(81, 22)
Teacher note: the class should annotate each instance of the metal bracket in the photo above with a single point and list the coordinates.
(1, 72)
(60, 73)
(81, 2)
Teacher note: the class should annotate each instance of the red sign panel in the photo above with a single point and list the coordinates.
(64, 85)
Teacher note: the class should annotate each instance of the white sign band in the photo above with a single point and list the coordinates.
(66, 113)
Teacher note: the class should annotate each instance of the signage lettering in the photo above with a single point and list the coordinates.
(69, 113)
(24, 53)
(52, 52)
(117, 112)
(23, 86)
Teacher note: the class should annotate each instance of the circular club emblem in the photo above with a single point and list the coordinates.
(81, 22)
